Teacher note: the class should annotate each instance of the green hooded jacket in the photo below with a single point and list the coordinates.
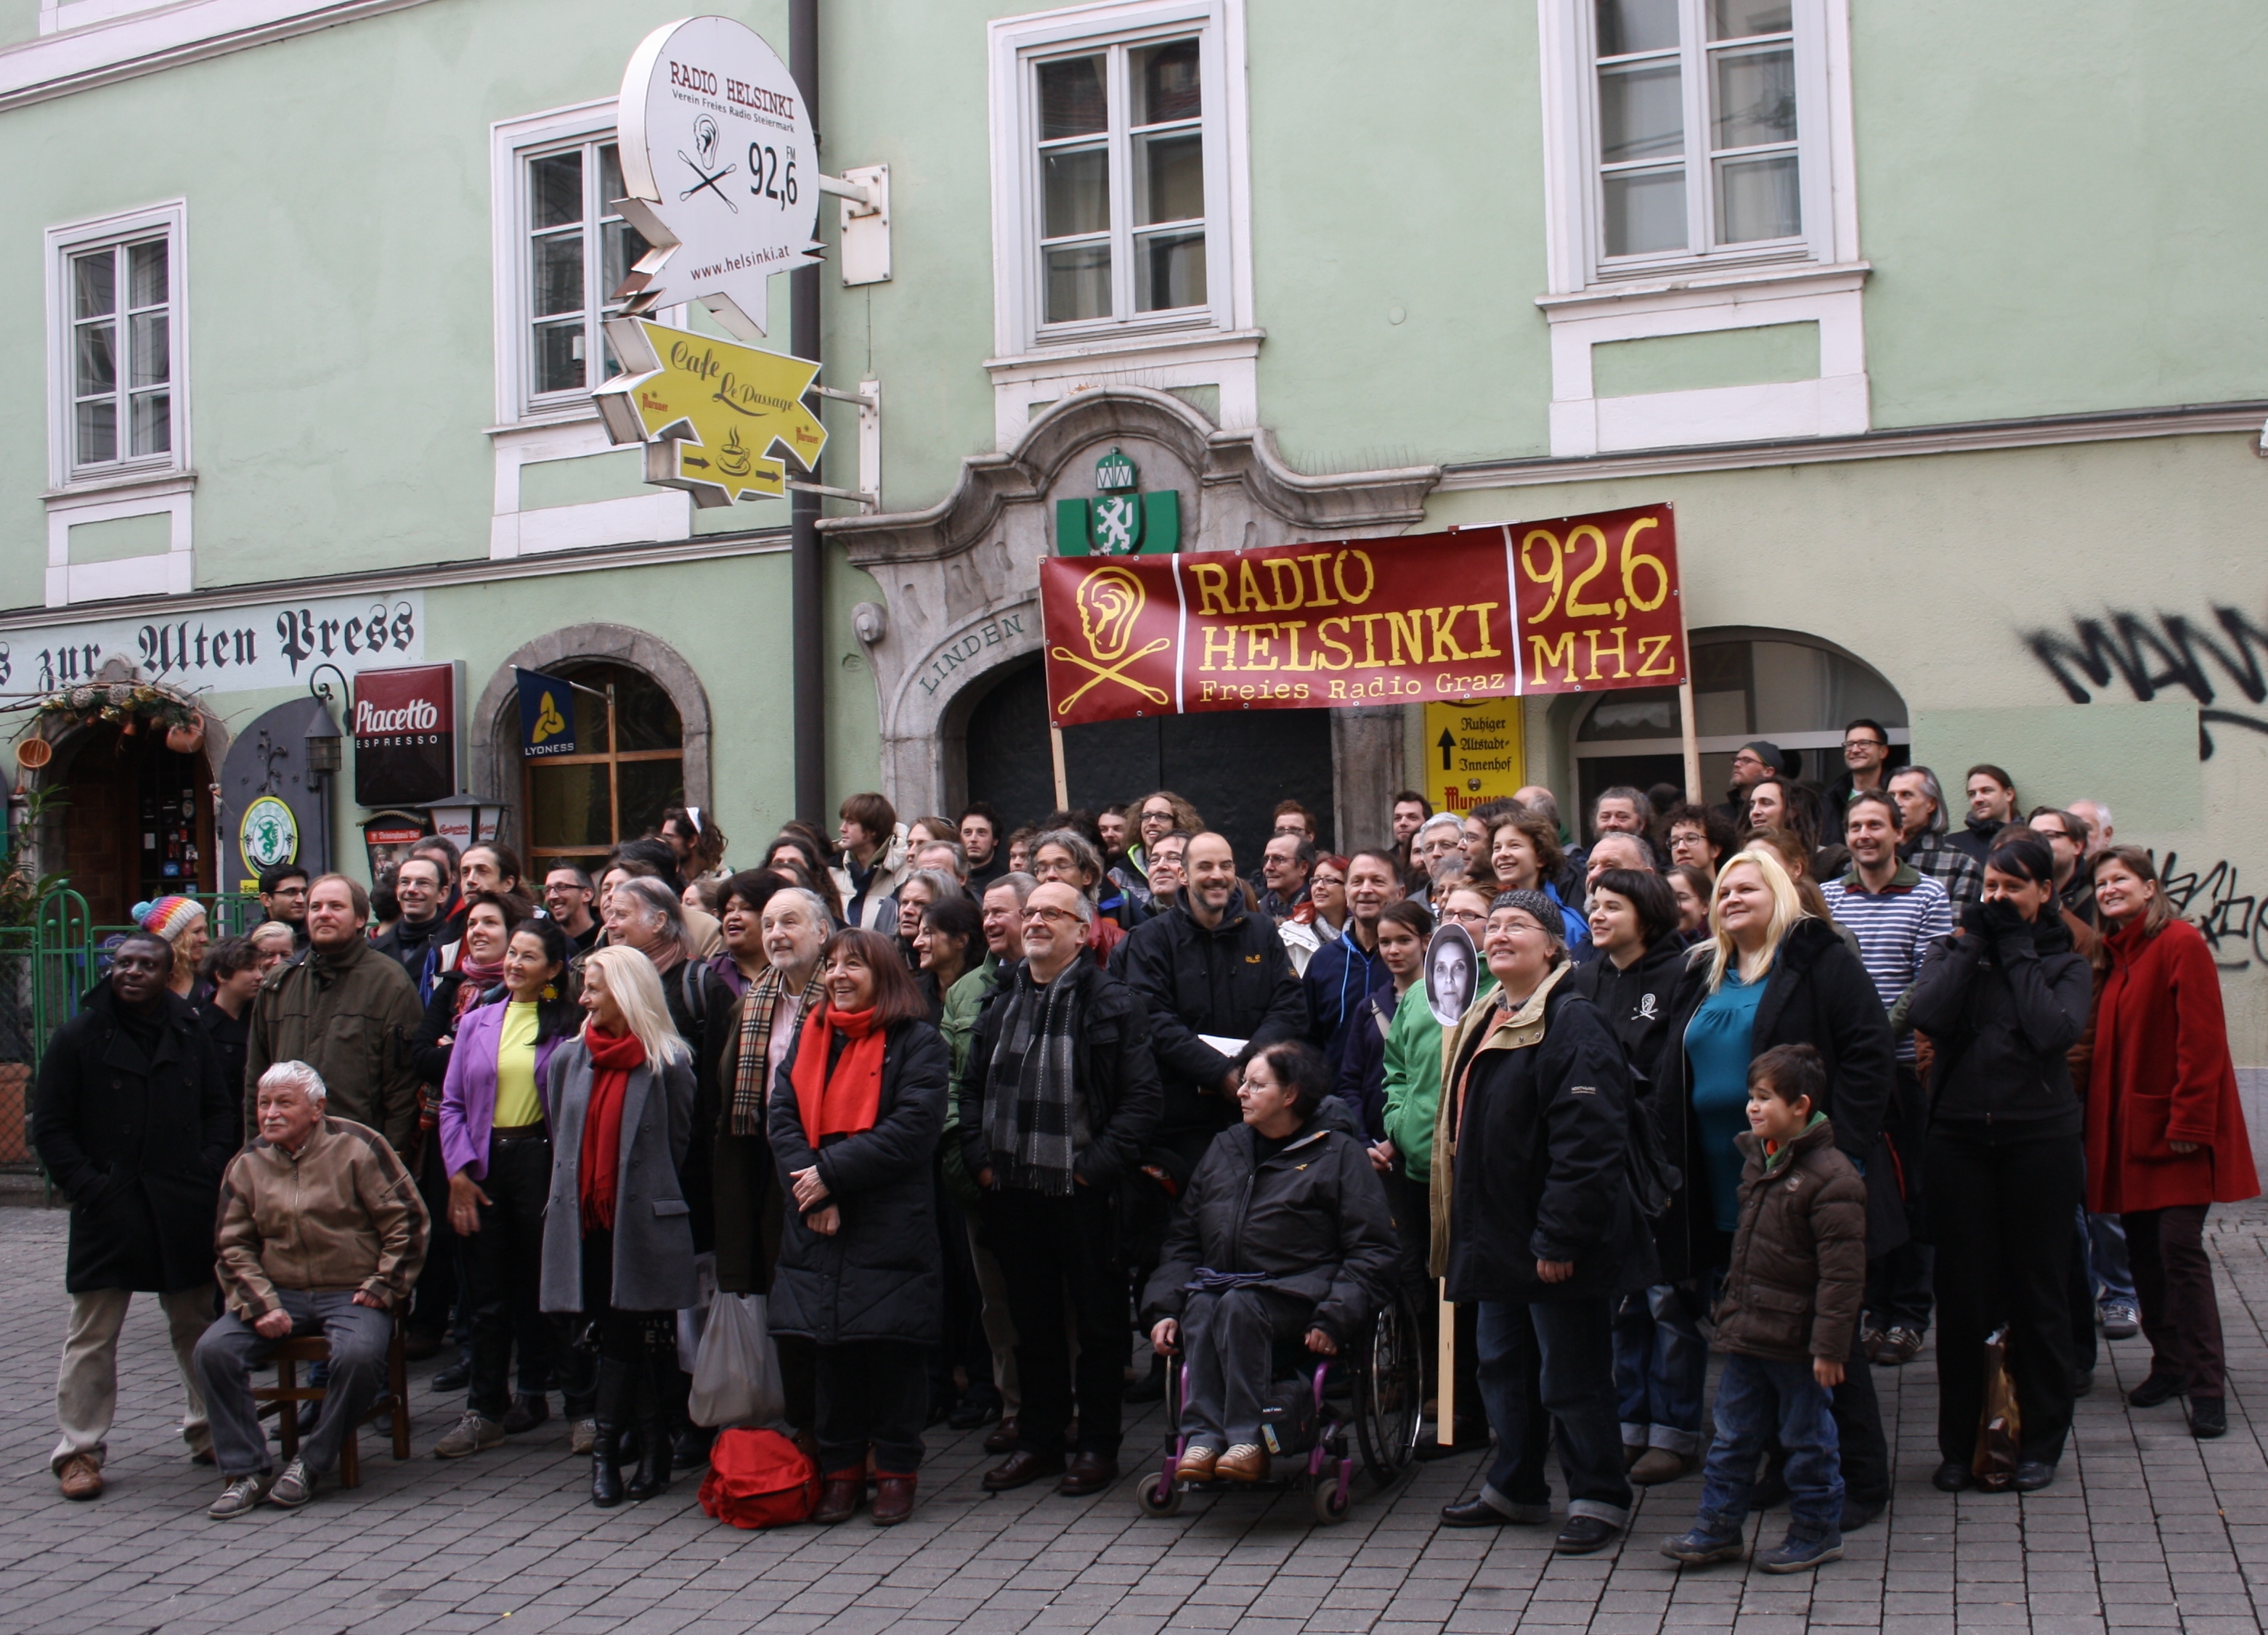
(1413, 1077)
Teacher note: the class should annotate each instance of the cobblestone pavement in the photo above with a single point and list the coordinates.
(2146, 1528)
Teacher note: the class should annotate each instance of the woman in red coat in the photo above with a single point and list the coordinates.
(2165, 1132)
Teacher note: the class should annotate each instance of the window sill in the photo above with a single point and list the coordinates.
(121, 486)
(582, 412)
(1190, 338)
(1694, 286)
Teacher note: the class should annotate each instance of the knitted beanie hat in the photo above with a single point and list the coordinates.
(1539, 908)
(168, 917)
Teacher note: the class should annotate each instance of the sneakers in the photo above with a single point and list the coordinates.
(2122, 1320)
(1247, 1462)
(581, 1433)
(474, 1434)
(81, 1478)
(1799, 1555)
(1900, 1346)
(238, 1497)
(294, 1487)
(1870, 1347)
(1698, 1547)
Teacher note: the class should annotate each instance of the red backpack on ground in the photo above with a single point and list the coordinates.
(759, 1478)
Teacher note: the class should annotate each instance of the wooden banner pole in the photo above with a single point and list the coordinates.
(1444, 1390)
(1685, 715)
(1063, 784)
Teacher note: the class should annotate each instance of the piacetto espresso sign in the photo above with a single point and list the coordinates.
(405, 735)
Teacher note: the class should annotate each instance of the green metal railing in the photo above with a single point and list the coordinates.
(47, 969)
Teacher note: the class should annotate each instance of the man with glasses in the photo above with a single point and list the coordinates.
(1056, 1101)
(1866, 763)
(1921, 810)
(567, 894)
(283, 900)
(1752, 763)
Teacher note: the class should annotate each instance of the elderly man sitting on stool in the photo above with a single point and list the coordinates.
(321, 1232)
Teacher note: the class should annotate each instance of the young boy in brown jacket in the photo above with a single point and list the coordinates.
(1791, 1297)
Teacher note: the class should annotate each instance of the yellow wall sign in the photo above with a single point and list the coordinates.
(709, 413)
(1473, 753)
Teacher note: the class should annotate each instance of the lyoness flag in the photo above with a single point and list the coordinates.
(1577, 604)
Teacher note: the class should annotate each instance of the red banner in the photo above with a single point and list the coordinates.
(1575, 605)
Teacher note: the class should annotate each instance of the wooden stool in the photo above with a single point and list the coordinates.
(283, 1398)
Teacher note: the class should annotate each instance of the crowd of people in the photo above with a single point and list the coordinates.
(990, 1114)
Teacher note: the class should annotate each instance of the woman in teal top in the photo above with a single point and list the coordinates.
(1718, 1051)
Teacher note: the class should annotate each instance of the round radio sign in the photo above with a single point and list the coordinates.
(721, 166)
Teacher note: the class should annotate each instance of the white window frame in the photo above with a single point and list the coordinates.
(170, 222)
(1820, 279)
(1016, 43)
(512, 145)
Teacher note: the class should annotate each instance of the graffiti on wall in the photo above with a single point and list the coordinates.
(2150, 656)
(2235, 921)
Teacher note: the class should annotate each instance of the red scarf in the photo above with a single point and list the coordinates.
(849, 1099)
(613, 1060)
(478, 979)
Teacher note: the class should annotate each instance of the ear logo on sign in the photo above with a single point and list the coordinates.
(1110, 599)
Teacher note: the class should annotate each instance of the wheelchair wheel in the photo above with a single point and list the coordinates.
(1390, 1392)
(1157, 1496)
(1331, 1506)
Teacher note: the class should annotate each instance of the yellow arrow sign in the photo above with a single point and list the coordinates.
(710, 412)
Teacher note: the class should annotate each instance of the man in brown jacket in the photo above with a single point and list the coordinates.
(321, 1231)
(347, 1011)
(1791, 1301)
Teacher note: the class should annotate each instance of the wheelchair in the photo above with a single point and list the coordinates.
(1321, 1412)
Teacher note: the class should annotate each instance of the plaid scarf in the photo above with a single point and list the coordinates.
(1029, 1110)
(758, 1005)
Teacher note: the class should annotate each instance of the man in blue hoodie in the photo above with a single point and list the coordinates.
(1343, 972)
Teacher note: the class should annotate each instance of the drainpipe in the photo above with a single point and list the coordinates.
(806, 568)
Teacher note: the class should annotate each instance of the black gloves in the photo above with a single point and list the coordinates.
(1995, 921)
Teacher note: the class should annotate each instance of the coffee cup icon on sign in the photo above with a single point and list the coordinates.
(1110, 602)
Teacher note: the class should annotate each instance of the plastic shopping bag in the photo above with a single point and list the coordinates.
(2000, 1425)
(736, 1378)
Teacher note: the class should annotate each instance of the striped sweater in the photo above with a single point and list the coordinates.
(1895, 926)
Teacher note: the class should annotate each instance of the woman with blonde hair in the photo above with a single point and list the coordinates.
(617, 1230)
(1771, 973)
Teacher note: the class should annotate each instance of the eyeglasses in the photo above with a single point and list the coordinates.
(1746, 760)
(1050, 914)
(1164, 817)
(1465, 917)
(1864, 743)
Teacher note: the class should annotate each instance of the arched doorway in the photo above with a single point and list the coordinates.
(1791, 688)
(1233, 766)
(137, 822)
(628, 769)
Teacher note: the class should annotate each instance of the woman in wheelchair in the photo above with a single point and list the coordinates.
(1284, 1231)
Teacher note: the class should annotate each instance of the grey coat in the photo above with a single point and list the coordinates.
(653, 1224)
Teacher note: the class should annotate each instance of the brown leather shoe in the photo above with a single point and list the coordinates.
(894, 1500)
(1019, 1469)
(1002, 1437)
(1247, 1462)
(1197, 1462)
(840, 1497)
(1088, 1473)
(81, 1476)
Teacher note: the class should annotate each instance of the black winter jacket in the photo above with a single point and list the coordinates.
(881, 1276)
(1362, 1068)
(1636, 1001)
(1313, 1217)
(2002, 1010)
(1233, 981)
(1817, 994)
(1112, 1064)
(1541, 1163)
(137, 1141)
(702, 1008)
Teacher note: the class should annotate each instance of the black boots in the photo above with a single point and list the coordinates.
(616, 1384)
(652, 1474)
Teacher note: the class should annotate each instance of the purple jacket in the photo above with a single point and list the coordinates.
(468, 1094)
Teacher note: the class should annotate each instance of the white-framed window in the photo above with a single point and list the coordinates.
(561, 251)
(1695, 134)
(1119, 206)
(118, 348)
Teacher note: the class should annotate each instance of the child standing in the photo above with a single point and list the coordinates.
(1791, 1297)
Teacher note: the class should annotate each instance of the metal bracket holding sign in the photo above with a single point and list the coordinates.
(865, 222)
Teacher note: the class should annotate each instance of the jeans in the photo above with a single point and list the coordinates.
(1759, 1398)
(2173, 1275)
(1229, 1350)
(87, 1384)
(2107, 1259)
(504, 1264)
(1660, 1363)
(872, 1393)
(2005, 1208)
(1058, 1256)
(1558, 1356)
(230, 1350)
